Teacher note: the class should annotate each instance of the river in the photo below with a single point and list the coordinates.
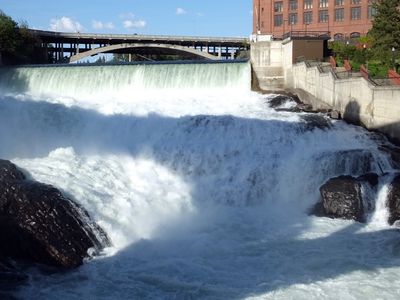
(203, 188)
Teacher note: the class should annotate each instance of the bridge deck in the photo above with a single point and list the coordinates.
(89, 38)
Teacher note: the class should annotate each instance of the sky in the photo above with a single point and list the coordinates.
(158, 17)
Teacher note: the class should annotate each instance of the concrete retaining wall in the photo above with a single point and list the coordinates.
(358, 100)
(267, 61)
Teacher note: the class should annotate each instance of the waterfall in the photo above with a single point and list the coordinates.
(203, 188)
(93, 81)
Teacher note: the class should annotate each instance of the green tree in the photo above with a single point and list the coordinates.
(18, 44)
(9, 35)
(385, 30)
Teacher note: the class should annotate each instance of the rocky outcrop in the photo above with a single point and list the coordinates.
(341, 197)
(39, 224)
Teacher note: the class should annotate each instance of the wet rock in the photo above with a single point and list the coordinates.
(279, 100)
(334, 114)
(341, 198)
(9, 171)
(314, 121)
(371, 178)
(393, 152)
(39, 224)
(394, 200)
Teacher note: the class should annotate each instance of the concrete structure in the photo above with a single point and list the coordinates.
(342, 18)
(358, 100)
(73, 46)
(272, 60)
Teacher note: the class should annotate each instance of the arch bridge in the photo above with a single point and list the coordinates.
(71, 47)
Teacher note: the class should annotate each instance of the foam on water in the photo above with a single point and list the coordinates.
(204, 192)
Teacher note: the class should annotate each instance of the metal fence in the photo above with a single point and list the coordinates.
(324, 67)
(347, 74)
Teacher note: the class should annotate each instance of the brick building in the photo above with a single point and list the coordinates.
(342, 18)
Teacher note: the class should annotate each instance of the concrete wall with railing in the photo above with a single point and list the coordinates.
(357, 99)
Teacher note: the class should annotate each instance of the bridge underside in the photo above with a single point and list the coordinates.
(70, 47)
(147, 51)
(72, 53)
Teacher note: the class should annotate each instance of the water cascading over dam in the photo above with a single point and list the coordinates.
(203, 189)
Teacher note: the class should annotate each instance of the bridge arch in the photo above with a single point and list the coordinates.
(110, 48)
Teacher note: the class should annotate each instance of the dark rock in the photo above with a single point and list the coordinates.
(394, 153)
(394, 200)
(39, 224)
(9, 171)
(279, 100)
(371, 178)
(341, 198)
(316, 121)
(334, 114)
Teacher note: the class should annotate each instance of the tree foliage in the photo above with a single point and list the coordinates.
(8, 33)
(385, 30)
(18, 45)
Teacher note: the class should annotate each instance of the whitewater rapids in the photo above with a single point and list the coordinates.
(203, 189)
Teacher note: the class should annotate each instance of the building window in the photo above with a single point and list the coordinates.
(278, 6)
(355, 1)
(339, 2)
(371, 11)
(356, 13)
(323, 3)
(323, 16)
(355, 35)
(292, 19)
(339, 15)
(307, 17)
(308, 4)
(293, 5)
(278, 20)
(338, 37)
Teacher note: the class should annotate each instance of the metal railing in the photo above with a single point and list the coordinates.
(324, 67)
(386, 81)
(347, 74)
(305, 34)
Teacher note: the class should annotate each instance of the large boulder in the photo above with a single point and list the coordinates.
(39, 224)
(393, 201)
(341, 198)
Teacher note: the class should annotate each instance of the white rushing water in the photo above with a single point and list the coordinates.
(203, 189)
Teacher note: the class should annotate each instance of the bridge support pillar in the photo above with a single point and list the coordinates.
(219, 52)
